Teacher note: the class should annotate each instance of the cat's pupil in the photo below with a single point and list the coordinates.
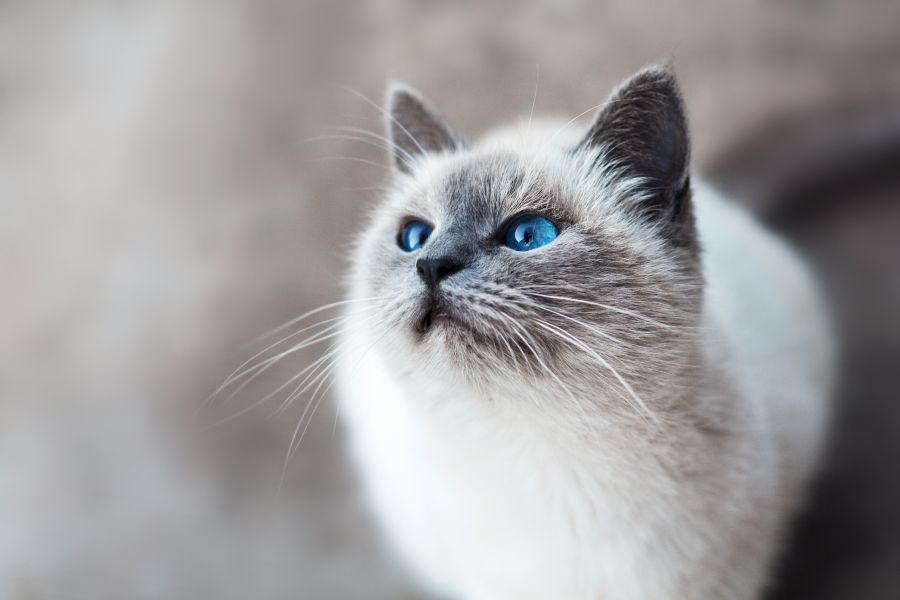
(527, 236)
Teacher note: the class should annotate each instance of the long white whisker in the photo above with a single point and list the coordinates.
(295, 440)
(303, 386)
(356, 365)
(265, 398)
(537, 79)
(578, 116)
(608, 307)
(389, 144)
(539, 359)
(388, 115)
(297, 391)
(292, 448)
(332, 351)
(315, 311)
(578, 343)
(364, 161)
(603, 334)
(258, 369)
(239, 372)
(350, 138)
(323, 362)
(496, 314)
(602, 360)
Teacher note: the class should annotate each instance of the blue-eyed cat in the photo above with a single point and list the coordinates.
(571, 372)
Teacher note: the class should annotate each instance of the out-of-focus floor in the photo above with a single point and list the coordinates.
(162, 202)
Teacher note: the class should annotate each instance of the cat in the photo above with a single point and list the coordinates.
(570, 371)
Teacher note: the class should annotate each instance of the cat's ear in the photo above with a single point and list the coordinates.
(643, 131)
(415, 128)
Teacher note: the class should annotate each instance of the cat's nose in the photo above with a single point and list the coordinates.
(432, 270)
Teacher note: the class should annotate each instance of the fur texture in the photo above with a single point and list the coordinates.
(629, 412)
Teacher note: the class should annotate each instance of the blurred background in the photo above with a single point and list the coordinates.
(166, 196)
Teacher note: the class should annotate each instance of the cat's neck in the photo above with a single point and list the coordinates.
(564, 411)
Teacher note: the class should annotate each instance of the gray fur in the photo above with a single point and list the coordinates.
(635, 364)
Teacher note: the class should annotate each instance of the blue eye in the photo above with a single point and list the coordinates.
(529, 232)
(414, 235)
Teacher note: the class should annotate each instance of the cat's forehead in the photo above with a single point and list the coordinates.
(484, 187)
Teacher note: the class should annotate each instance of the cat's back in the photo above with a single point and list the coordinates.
(762, 303)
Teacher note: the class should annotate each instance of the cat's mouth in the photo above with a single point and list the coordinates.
(435, 314)
(439, 321)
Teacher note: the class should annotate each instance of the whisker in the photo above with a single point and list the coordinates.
(581, 114)
(390, 145)
(264, 365)
(537, 79)
(371, 140)
(326, 373)
(578, 343)
(388, 115)
(571, 339)
(310, 380)
(540, 360)
(262, 400)
(356, 365)
(603, 334)
(352, 159)
(237, 373)
(314, 311)
(350, 138)
(298, 434)
(494, 313)
(339, 326)
(303, 386)
(297, 391)
(608, 307)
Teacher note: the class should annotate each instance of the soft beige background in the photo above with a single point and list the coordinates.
(161, 204)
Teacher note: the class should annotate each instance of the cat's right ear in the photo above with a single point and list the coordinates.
(415, 128)
(643, 130)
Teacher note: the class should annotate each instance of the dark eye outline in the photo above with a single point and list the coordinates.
(401, 234)
(504, 231)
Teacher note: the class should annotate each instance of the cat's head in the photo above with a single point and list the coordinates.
(537, 256)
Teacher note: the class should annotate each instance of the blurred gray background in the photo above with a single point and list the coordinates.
(163, 202)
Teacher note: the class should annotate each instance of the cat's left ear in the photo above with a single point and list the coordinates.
(415, 128)
(643, 130)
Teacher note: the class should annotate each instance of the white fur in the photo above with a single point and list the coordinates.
(484, 503)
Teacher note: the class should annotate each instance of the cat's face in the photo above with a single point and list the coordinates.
(571, 265)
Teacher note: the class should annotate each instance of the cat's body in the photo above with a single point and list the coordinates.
(621, 444)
